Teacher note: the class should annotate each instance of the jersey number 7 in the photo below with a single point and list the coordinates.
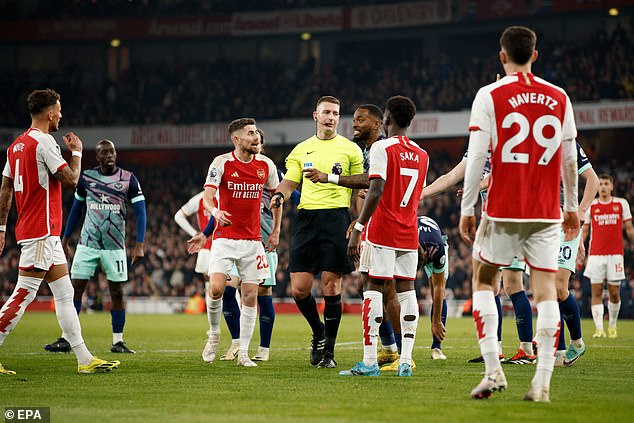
(413, 175)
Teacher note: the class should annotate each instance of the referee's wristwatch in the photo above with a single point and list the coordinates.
(277, 201)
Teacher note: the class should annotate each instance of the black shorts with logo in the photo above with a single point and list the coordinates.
(318, 241)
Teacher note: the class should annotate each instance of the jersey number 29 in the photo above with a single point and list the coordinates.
(550, 144)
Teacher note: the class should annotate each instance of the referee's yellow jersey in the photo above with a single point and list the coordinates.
(339, 156)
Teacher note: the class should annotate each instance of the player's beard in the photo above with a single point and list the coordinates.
(362, 137)
(252, 150)
(53, 127)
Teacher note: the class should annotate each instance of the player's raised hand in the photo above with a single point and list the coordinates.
(73, 143)
(438, 330)
(467, 229)
(354, 243)
(138, 254)
(222, 217)
(362, 193)
(570, 225)
(196, 243)
(315, 175)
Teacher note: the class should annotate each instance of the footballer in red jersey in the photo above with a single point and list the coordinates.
(605, 220)
(528, 126)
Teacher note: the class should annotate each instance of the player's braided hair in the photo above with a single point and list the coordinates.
(402, 109)
(39, 100)
(238, 124)
(519, 43)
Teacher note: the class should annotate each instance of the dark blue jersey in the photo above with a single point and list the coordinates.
(366, 155)
(432, 243)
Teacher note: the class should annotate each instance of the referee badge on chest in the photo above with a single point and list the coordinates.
(337, 169)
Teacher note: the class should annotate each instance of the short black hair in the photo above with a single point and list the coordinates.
(39, 100)
(373, 110)
(402, 109)
(519, 44)
(238, 124)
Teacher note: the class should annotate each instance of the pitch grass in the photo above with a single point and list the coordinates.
(167, 380)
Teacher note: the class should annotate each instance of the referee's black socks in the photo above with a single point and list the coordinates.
(332, 318)
(308, 307)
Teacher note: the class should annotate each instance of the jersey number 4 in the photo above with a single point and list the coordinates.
(550, 144)
(17, 181)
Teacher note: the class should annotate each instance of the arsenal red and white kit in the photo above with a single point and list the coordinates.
(403, 165)
(606, 226)
(239, 192)
(32, 160)
(392, 232)
(240, 188)
(605, 258)
(528, 125)
(527, 119)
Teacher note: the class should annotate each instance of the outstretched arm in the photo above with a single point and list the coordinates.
(445, 181)
(181, 220)
(359, 181)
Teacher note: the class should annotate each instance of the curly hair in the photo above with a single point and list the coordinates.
(39, 100)
(402, 110)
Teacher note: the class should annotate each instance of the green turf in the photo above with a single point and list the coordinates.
(167, 380)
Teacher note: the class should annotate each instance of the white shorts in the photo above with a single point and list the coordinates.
(387, 263)
(202, 262)
(364, 257)
(498, 243)
(42, 254)
(601, 268)
(248, 255)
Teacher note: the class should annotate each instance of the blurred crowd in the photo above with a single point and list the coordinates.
(593, 68)
(65, 9)
(168, 270)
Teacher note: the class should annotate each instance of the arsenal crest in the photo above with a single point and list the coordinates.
(261, 174)
(615, 208)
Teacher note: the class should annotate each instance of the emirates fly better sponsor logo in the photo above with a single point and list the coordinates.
(244, 189)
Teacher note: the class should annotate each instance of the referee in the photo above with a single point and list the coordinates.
(318, 237)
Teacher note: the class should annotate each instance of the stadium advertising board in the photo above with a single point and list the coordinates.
(591, 116)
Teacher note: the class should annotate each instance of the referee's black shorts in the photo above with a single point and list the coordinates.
(318, 241)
